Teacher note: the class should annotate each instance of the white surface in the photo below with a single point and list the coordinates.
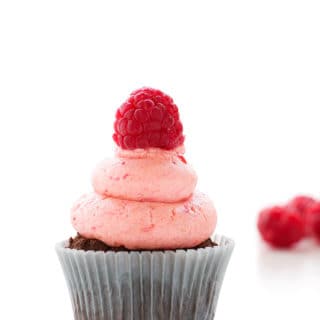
(246, 77)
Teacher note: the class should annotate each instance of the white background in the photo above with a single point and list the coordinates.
(246, 76)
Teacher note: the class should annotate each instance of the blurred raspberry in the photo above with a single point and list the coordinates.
(280, 227)
(301, 204)
(313, 220)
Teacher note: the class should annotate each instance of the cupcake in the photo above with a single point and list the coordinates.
(144, 247)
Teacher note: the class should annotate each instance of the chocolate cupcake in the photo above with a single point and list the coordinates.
(144, 248)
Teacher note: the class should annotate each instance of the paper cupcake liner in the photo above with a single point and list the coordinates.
(168, 285)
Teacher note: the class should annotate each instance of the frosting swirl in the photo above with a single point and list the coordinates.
(145, 175)
(145, 199)
(145, 225)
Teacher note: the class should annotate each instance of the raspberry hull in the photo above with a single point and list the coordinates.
(148, 119)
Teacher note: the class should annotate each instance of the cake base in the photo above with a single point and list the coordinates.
(81, 243)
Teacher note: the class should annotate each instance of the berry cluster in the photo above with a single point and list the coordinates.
(284, 226)
(148, 119)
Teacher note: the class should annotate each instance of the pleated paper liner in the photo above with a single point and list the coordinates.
(158, 285)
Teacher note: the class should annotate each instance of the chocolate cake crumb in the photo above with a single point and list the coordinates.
(81, 243)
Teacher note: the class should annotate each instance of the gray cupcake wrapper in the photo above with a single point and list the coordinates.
(147, 285)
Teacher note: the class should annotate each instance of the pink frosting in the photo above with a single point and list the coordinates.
(145, 225)
(145, 175)
(145, 199)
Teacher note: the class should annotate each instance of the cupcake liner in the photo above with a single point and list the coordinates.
(147, 285)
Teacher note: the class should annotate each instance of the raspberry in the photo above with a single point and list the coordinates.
(313, 220)
(148, 119)
(280, 227)
(301, 204)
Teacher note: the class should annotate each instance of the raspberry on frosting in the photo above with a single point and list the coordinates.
(148, 119)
